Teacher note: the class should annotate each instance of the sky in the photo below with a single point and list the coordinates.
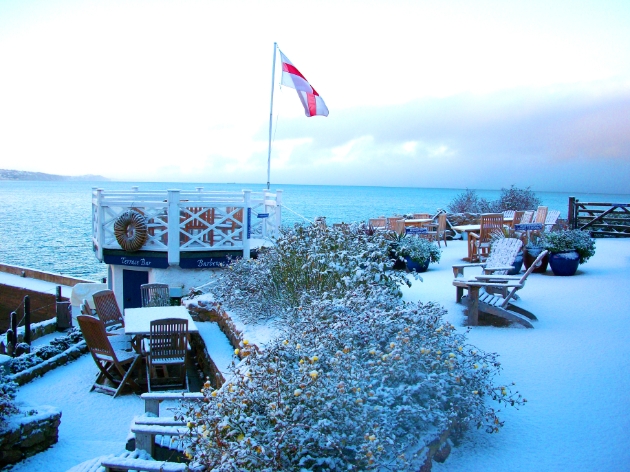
(454, 94)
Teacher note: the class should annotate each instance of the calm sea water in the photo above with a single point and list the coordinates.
(47, 226)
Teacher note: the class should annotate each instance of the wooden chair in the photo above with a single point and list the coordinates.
(438, 231)
(493, 294)
(552, 219)
(541, 215)
(390, 222)
(155, 295)
(378, 223)
(508, 214)
(115, 364)
(490, 223)
(501, 259)
(516, 218)
(166, 348)
(527, 217)
(108, 311)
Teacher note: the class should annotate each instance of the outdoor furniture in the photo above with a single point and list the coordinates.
(500, 260)
(541, 215)
(516, 218)
(551, 219)
(108, 312)
(115, 364)
(438, 231)
(421, 216)
(155, 295)
(493, 294)
(480, 243)
(138, 320)
(378, 223)
(166, 352)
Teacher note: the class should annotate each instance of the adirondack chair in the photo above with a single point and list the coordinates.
(552, 219)
(115, 364)
(155, 295)
(501, 258)
(541, 215)
(378, 223)
(493, 294)
(490, 223)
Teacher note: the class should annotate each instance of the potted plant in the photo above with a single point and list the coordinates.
(418, 252)
(568, 249)
(531, 251)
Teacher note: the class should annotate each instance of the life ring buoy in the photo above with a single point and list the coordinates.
(130, 230)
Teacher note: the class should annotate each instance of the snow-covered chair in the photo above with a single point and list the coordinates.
(501, 259)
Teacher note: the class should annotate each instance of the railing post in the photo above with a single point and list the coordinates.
(570, 214)
(27, 320)
(265, 223)
(100, 212)
(247, 214)
(278, 213)
(173, 227)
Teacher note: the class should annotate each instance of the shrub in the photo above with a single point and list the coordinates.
(419, 249)
(349, 384)
(512, 198)
(8, 392)
(570, 240)
(320, 262)
(42, 353)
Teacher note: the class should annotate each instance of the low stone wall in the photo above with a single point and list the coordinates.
(70, 354)
(27, 433)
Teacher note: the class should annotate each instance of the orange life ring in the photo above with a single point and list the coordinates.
(130, 230)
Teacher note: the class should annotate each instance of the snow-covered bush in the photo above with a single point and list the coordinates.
(313, 260)
(570, 240)
(350, 384)
(8, 391)
(419, 249)
(512, 198)
(45, 352)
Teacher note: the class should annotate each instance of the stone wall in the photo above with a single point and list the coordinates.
(27, 433)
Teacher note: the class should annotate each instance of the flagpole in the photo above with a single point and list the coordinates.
(273, 75)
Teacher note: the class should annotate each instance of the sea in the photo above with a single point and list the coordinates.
(46, 225)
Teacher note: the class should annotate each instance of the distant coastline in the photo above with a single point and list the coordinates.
(8, 174)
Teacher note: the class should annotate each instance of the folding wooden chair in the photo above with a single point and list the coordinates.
(438, 231)
(108, 312)
(155, 295)
(115, 364)
(166, 350)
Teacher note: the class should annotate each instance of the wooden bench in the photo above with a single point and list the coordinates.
(116, 464)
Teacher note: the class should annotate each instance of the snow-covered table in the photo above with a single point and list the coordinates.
(138, 320)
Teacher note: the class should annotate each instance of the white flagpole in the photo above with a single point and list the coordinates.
(273, 76)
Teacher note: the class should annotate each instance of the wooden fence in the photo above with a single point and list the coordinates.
(601, 219)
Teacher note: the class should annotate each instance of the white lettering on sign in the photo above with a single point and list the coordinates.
(135, 262)
(202, 263)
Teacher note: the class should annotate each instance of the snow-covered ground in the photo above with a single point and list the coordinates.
(573, 368)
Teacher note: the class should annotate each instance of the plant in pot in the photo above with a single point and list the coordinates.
(518, 260)
(568, 249)
(418, 252)
(532, 250)
(395, 240)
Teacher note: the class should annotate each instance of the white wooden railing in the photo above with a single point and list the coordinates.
(203, 221)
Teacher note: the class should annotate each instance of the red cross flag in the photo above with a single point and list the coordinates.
(311, 101)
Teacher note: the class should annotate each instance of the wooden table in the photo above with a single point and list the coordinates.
(138, 320)
(419, 222)
(471, 245)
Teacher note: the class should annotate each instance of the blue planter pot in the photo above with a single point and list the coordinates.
(564, 263)
(413, 265)
(518, 264)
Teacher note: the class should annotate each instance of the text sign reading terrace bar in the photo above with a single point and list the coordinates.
(528, 226)
(136, 261)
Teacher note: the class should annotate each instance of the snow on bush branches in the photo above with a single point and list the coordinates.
(356, 380)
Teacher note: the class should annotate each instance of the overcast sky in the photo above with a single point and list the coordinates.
(477, 94)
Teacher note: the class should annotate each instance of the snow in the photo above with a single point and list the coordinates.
(572, 368)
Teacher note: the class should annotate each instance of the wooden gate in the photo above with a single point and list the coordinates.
(601, 219)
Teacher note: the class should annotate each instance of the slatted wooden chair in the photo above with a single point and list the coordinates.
(155, 295)
(489, 224)
(115, 364)
(108, 311)
(166, 352)
(438, 231)
(516, 218)
(541, 215)
(493, 294)
(378, 223)
(501, 259)
(552, 219)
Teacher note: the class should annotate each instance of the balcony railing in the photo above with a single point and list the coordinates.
(184, 222)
